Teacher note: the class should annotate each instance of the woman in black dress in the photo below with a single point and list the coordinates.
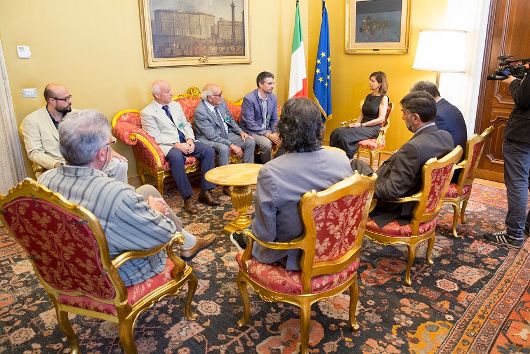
(369, 121)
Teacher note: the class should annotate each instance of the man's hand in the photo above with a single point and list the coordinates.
(185, 148)
(236, 149)
(158, 204)
(508, 80)
(191, 143)
(245, 136)
(274, 137)
(118, 156)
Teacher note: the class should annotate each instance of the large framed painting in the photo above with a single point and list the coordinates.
(377, 26)
(192, 32)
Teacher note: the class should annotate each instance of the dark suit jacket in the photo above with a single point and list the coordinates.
(252, 115)
(450, 119)
(400, 175)
(208, 126)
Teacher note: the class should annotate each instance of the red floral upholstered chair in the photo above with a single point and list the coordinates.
(436, 176)
(334, 222)
(458, 193)
(127, 126)
(69, 253)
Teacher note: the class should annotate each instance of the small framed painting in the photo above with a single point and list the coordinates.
(377, 26)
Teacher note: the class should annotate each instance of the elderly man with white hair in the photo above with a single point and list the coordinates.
(165, 121)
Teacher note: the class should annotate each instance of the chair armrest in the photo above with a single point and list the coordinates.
(346, 123)
(413, 198)
(274, 245)
(128, 255)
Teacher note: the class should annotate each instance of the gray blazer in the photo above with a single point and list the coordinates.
(281, 184)
(207, 125)
(159, 126)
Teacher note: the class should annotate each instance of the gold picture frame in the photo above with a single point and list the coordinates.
(190, 32)
(377, 27)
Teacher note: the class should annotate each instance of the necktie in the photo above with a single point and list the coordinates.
(223, 124)
(182, 137)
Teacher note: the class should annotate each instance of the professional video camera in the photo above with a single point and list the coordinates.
(508, 65)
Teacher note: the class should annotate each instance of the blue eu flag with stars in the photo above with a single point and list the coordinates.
(322, 78)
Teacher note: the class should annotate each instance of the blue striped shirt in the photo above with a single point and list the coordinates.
(127, 221)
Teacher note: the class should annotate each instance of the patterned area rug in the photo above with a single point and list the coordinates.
(474, 299)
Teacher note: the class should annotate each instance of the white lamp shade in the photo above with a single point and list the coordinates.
(441, 51)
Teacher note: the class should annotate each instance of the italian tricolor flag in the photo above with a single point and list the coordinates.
(298, 78)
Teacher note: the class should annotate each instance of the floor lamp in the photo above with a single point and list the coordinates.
(441, 51)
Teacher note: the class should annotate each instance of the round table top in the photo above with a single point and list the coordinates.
(237, 174)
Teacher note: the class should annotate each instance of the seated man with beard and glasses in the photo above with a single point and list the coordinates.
(41, 136)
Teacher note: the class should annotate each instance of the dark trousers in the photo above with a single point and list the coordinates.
(176, 160)
(348, 139)
(517, 179)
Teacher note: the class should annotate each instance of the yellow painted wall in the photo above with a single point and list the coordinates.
(94, 48)
(350, 72)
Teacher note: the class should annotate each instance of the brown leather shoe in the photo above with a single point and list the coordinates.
(227, 190)
(189, 206)
(201, 244)
(207, 198)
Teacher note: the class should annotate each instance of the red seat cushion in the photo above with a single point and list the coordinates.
(276, 278)
(452, 191)
(393, 229)
(134, 292)
(370, 144)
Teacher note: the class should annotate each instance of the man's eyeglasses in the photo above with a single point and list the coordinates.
(67, 98)
(220, 94)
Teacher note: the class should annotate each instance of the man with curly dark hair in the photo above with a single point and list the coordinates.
(282, 182)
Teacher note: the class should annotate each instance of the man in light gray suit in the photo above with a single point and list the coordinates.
(282, 182)
(41, 135)
(165, 121)
(214, 126)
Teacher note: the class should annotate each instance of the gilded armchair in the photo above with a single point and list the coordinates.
(69, 253)
(334, 222)
(458, 193)
(374, 147)
(436, 176)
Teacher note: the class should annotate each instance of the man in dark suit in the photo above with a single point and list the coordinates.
(400, 175)
(259, 114)
(214, 126)
(448, 117)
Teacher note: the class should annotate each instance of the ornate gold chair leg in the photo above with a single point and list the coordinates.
(379, 154)
(305, 316)
(127, 335)
(456, 215)
(463, 210)
(242, 285)
(354, 297)
(430, 245)
(142, 174)
(410, 261)
(371, 158)
(66, 328)
(160, 182)
(192, 287)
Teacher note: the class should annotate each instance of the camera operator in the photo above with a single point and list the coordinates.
(516, 151)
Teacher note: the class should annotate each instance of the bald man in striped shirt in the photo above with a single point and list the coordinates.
(131, 220)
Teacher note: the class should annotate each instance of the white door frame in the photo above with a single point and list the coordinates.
(12, 167)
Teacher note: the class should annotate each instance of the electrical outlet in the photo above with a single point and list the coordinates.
(29, 92)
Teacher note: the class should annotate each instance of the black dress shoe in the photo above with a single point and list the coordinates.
(189, 206)
(207, 198)
(201, 244)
